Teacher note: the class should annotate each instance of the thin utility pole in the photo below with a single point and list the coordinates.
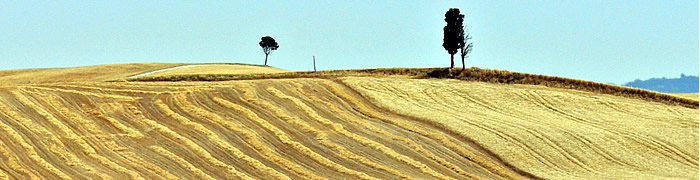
(314, 63)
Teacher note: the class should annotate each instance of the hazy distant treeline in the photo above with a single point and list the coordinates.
(684, 84)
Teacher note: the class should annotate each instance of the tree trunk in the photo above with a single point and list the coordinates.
(462, 63)
(452, 61)
(266, 59)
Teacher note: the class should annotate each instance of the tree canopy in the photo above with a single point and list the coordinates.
(268, 44)
(452, 40)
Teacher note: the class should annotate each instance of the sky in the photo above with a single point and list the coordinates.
(596, 40)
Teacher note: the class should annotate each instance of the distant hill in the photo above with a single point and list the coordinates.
(684, 84)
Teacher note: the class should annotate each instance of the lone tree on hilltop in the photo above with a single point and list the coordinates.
(268, 45)
(452, 41)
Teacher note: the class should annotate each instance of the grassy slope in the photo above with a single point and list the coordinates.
(339, 127)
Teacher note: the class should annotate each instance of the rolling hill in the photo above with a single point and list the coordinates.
(355, 124)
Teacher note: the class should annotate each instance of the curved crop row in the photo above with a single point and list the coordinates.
(268, 154)
(181, 100)
(410, 143)
(562, 133)
(364, 141)
(346, 128)
(305, 127)
(192, 146)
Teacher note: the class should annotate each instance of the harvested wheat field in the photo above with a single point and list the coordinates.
(218, 69)
(552, 133)
(79, 74)
(339, 127)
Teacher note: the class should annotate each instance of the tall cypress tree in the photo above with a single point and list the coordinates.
(451, 40)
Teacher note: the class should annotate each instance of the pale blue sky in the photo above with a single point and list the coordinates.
(603, 41)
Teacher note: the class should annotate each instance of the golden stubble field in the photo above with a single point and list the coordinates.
(552, 133)
(198, 69)
(96, 73)
(337, 128)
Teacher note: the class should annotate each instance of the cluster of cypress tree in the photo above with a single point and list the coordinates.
(455, 37)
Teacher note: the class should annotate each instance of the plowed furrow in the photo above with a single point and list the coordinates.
(182, 162)
(364, 141)
(572, 157)
(664, 148)
(553, 133)
(506, 120)
(188, 107)
(192, 146)
(260, 146)
(379, 132)
(85, 93)
(65, 133)
(340, 129)
(451, 111)
(29, 149)
(92, 130)
(569, 156)
(76, 133)
(300, 147)
(366, 108)
(151, 168)
(599, 150)
(12, 163)
(100, 90)
(4, 175)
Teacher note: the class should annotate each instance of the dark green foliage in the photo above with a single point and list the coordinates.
(451, 40)
(268, 44)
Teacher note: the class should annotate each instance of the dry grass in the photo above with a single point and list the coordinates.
(471, 74)
(693, 96)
